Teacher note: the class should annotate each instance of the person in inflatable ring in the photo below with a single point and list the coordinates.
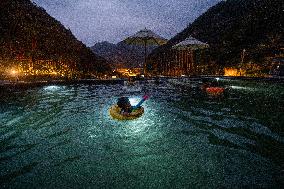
(125, 105)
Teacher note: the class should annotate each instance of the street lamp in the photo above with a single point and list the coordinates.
(242, 61)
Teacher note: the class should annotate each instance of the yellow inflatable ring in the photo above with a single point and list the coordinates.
(114, 111)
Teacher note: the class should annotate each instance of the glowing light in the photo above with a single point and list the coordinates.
(237, 87)
(51, 88)
(113, 77)
(13, 72)
(232, 72)
(243, 88)
(134, 101)
(132, 74)
(217, 78)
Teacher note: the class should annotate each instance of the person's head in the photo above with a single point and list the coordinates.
(123, 102)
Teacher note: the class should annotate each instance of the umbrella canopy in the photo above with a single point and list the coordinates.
(145, 37)
(190, 43)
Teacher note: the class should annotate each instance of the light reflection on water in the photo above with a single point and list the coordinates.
(52, 88)
(61, 134)
(243, 88)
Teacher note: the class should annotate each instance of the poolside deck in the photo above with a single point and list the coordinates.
(28, 84)
(196, 79)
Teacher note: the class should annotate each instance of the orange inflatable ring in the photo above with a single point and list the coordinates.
(215, 91)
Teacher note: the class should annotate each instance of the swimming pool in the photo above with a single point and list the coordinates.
(63, 137)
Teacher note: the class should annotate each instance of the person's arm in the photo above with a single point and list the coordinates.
(145, 97)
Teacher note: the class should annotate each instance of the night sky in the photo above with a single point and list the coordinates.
(94, 21)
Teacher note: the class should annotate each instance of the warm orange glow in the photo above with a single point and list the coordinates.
(232, 72)
(132, 74)
(129, 72)
(13, 72)
(22, 69)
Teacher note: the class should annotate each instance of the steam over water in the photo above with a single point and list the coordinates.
(63, 137)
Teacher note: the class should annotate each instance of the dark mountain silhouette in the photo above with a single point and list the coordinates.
(27, 31)
(234, 25)
(122, 55)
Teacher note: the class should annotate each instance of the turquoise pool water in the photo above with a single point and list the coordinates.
(63, 137)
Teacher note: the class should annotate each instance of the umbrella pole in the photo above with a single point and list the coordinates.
(145, 57)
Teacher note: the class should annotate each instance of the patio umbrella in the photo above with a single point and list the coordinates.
(190, 43)
(145, 37)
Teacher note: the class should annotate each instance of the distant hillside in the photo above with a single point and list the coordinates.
(234, 25)
(28, 32)
(122, 54)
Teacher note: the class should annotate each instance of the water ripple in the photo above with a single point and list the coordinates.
(183, 137)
